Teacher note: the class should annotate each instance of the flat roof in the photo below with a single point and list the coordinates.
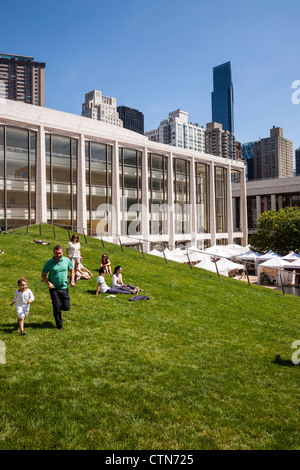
(17, 57)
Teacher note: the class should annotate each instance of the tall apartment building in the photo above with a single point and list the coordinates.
(177, 131)
(273, 156)
(297, 161)
(220, 142)
(132, 119)
(222, 96)
(22, 79)
(101, 108)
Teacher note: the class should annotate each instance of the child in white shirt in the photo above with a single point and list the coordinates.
(23, 297)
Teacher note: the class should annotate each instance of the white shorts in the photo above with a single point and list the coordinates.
(22, 312)
(75, 259)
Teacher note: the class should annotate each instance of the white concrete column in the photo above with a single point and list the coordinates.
(273, 202)
(81, 187)
(234, 221)
(116, 194)
(243, 206)
(193, 210)
(40, 184)
(171, 218)
(229, 206)
(212, 204)
(145, 201)
(258, 206)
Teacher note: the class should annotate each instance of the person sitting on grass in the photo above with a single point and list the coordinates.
(83, 272)
(117, 280)
(103, 288)
(23, 297)
(105, 263)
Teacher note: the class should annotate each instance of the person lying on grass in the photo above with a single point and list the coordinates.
(104, 289)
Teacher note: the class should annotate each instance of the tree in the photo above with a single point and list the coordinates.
(278, 231)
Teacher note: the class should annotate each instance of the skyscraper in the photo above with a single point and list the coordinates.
(273, 156)
(22, 79)
(222, 97)
(132, 119)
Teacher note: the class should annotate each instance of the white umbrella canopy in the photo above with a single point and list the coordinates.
(218, 250)
(294, 264)
(156, 253)
(210, 265)
(292, 256)
(249, 255)
(176, 255)
(229, 265)
(236, 249)
(273, 262)
(269, 255)
(195, 254)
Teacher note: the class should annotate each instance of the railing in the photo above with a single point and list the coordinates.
(138, 241)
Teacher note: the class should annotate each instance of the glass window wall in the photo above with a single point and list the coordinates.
(130, 163)
(98, 186)
(158, 194)
(221, 199)
(181, 177)
(61, 177)
(17, 176)
(202, 174)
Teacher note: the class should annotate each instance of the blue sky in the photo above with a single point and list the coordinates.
(158, 56)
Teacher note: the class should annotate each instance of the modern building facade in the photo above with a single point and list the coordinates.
(248, 157)
(220, 142)
(22, 79)
(297, 162)
(273, 156)
(101, 108)
(132, 119)
(176, 130)
(264, 195)
(222, 97)
(107, 181)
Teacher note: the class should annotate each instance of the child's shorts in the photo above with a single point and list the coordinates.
(22, 312)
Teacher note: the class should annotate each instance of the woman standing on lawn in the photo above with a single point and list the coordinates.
(73, 252)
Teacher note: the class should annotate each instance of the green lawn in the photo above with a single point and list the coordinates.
(204, 364)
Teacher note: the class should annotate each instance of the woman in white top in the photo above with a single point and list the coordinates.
(117, 280)
(73, 252)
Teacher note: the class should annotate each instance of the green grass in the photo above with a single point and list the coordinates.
(204, 364)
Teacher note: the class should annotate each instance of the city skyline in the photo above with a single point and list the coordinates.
(155, 58)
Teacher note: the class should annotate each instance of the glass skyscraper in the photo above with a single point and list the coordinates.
(222, 97)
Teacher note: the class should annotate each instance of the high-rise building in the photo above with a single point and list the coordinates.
(297, 161)
(22, 79)
(273, 156)
(220, 142)
(222, 97)
(248, 157)
(132, 119)
(177, 131)
(101, 108)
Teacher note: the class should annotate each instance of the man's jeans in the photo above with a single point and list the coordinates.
(60, 301)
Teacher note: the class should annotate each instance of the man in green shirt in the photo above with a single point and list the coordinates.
(57, 269)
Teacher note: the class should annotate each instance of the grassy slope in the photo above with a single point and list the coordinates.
(204, 364)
